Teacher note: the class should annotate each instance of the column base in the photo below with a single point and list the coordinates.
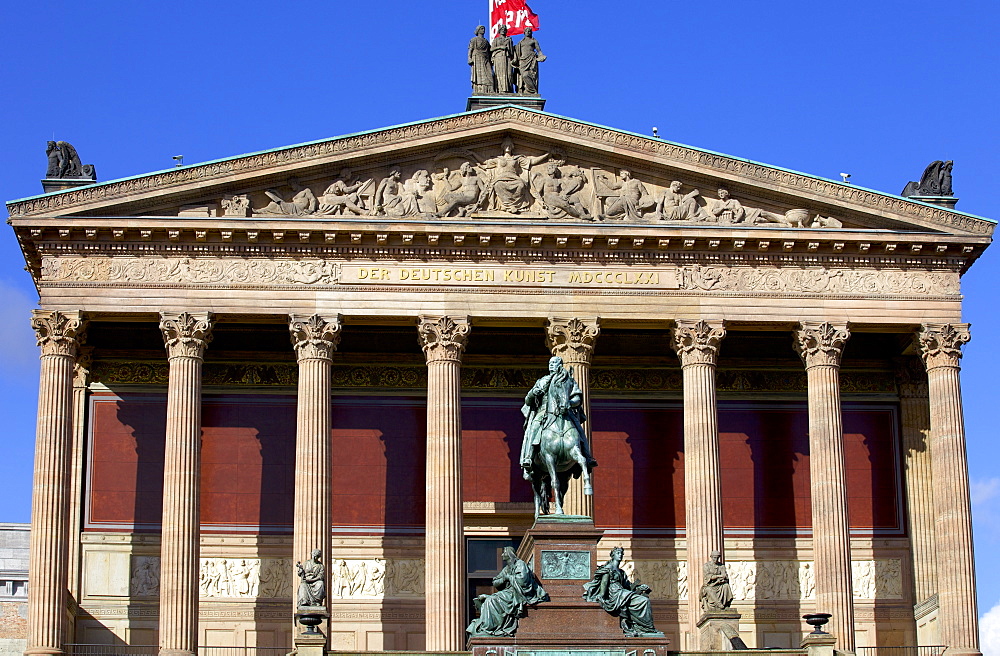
(962, 651)
(720, 631)
(175, 652)
(43, 651)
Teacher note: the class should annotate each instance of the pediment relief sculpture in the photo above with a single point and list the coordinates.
(514, 183)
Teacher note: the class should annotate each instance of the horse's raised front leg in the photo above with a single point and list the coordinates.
(581, 460)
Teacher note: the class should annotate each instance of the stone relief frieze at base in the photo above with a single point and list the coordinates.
(509, 182)
(269, 578)
(778, 580)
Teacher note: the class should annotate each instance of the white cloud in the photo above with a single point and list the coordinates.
(18, 352)
(989, 632)
(984, 491)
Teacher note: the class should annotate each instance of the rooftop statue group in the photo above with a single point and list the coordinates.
(64, 162)
(936, 181)
(503, 66)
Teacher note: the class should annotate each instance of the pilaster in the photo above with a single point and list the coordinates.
(697, 345)
(185, 337)
(821, 345)
(81, 383)
(314, 339)
(443, 340)
(573, 340)
(958, 624)
(59, 336)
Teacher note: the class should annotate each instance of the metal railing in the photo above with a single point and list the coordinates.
(927, 650)
(152, 650)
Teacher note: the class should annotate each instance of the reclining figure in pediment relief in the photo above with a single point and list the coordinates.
(726, 210)
(462, 190)
(342, 197)
(677, 206)
(628, 199)
(559, 194)
(303, 203)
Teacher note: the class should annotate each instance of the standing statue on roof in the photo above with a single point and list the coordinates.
(528, 54)
(483, 83)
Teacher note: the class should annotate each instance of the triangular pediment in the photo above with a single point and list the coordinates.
(502, 164)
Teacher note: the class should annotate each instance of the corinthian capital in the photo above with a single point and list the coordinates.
(572, 339)
(443, 338)
(59, 333)
(314, 338)
(697, 342)
(941, 343)
(186, 334)
(820, 344)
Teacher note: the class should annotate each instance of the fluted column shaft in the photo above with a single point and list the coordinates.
(185, 337)
(915, 420)
(958, 621)
(697, 346)
(443, 340)
(315, 339)
(573, 340)
(59, 335)
(81, 382)
(821, 347)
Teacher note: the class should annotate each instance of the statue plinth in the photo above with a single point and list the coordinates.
(944, 201)
(562, 552)
(719, 630)
(61, 184)
(482, 102)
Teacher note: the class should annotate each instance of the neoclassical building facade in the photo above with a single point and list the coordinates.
(326, 346)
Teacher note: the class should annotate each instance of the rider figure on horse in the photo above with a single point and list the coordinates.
(554, 401)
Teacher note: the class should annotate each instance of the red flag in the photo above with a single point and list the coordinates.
(515, 14)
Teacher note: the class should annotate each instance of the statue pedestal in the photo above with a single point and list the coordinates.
(819, 644)
(310, 639)
(482, 102)
(562, 552)
(720, 631)
(62, 184)
(943, 201)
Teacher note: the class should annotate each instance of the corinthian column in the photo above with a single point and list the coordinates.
(697, 346)
(185, 337)
(59, 337)
(573, 341)
(911, 380)
(443, 340)
(821, 346)
(940, 348)
(315, 339)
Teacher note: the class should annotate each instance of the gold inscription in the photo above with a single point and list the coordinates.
(663, 278)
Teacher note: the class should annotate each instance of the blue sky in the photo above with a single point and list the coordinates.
(875, 89)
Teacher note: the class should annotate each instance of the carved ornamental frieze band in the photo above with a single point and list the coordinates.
(252, 273)
(508, 182)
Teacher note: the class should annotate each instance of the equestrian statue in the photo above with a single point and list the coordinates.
(555, 445)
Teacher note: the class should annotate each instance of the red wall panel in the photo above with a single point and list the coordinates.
(491, 447)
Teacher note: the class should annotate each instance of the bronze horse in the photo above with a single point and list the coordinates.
(555, 444)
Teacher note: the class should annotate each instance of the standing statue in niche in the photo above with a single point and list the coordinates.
(716, 594)
(479, 59)
(502, 53)
(627, 601)
(312, 587)
(528, 54)
(936, 181)
(517, 588)
(555, 446)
